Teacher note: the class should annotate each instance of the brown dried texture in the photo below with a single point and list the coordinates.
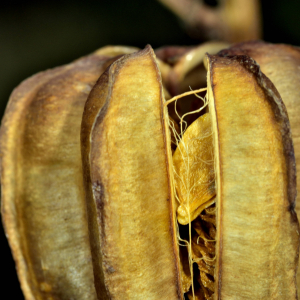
(193, 170)
(203, 236)
(200, 250)
(43, 207)
(129, 196)
(207, 282)
(186, 279)
(206, 268)
(129, 190)
(204, 254)
(281, 63)
(198, 294)
(257, 228)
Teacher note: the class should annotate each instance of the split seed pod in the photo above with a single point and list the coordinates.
(281, 63)
(42, 192)
(131, 191)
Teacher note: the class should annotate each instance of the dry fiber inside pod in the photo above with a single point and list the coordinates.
(211, 217)
(240, 217)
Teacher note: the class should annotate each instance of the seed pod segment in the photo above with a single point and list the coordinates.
(128, 187)
(257, 227)
(124, 154)
(280, 63)
(43, 208)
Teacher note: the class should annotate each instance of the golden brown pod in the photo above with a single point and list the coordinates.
(130, 193)
(281, 63)
(43, 207)
(127, 178)
(135, 245)
(257, 227)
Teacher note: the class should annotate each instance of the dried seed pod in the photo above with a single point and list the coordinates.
(130, 186)
(257, 227)
(281, 63)
(129, 194)
(136, 247)
(43, 207)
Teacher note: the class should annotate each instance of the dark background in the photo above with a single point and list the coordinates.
(37, 35)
